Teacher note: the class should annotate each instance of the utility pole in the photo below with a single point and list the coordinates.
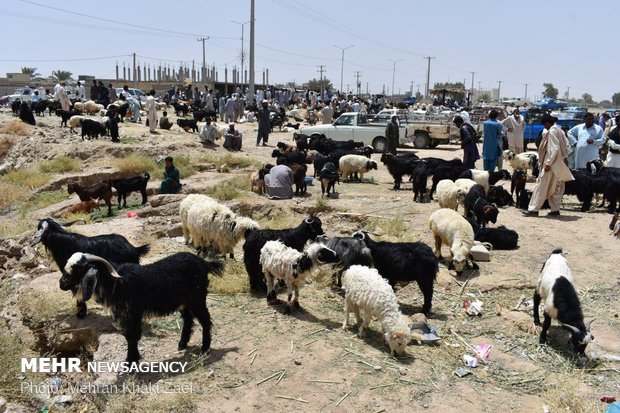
(342, 63)
(251, 92)
(568, 93)
(204, 64)
(499, 88)
(525, 97)
(242, 53)
(428, 74)
(321, 70)
(359, 85)
(411, 89)
(394, 73)
(471, 96)
(134, 72)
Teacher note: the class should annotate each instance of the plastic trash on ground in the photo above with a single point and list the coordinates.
(462, 372)
(613, 408)
(473, 308)
(483, 351)
(470, 361)
(429, 334)
(480, 253)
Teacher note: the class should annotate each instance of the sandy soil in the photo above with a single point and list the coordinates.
(328, 369)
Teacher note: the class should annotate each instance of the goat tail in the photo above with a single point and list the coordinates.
(147, 176)
(215, 267)
(143, 250)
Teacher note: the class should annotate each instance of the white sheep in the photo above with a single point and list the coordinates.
(91, 107)
(291, 266)
(161, 105)
(78, 106)
(521, 161)
(450, 228)
(350, 164)
(464, 184)
(210, 223)
(449, 194)
(75, 121)
(370, 296)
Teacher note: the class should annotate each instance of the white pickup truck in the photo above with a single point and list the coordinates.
(370, 129)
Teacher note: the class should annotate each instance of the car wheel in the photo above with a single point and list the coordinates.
(378, 144)
(421, 140)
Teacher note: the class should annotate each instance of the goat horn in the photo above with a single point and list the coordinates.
(309, 220)
(68, 224)
(571, 328)
(109, 267)
(588, 326)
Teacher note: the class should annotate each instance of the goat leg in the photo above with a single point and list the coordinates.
(545, 327)
(81, 309)
(132, 330)
(188, 323)
(202, 314)
(535, 309)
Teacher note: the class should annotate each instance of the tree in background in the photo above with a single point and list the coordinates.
(587, 99)
(550, 91)
(32, 71)
(485, 97)
(61, 75)
(616, 99)
(604, 103)
(315, 84)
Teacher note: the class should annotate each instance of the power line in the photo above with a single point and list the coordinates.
(64, 60)
(119, 22)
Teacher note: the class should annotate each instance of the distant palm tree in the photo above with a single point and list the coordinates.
(32, 71)
(60, 75)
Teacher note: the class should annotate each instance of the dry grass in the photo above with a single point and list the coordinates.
(27, 178)
(42, 200)
(60, 164)
(564, 397)
(130, 403)
(6, 143)
(233, 281)
(233, 161)
(41, 308)
(11, 194)
(391, 229)
(230, 189)
(15, 127)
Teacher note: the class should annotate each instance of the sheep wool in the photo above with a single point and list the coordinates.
(450, 228)
(449, 194)
(369, 296)
(350, 164)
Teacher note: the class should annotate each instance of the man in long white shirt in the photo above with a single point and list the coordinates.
(151, 111)
(80, 92)
(554, 173)
(586, 138)
(514, 126)
(613, 156)
(208, 133)
(327, 114)
(63, 98)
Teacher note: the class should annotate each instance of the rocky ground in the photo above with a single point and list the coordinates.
(314, 365)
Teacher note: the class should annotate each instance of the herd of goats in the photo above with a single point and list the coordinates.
(107, 267)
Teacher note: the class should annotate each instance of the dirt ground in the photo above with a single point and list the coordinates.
(264, 360)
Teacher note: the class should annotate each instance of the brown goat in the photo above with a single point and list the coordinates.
(299, 178)
(86, 206)
(99, 190)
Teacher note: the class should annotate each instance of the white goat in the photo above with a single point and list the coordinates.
(370, 296)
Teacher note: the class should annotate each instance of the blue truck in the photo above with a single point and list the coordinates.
(533, 127)
(550, 104)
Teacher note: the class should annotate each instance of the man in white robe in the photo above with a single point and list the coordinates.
(586, 138)
(553, 172)
(151, 111)
(63, 97)
(514, 126)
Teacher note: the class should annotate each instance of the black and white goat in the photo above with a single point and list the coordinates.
(556, 291)
(405, 262)
(125, 187)
(328, 176)
(445, 171)
(295, 238)
(496, 194)
(485, 178)
(62, 244)
(350, 251)
(132, 291)
(291, 266)
(501, 238)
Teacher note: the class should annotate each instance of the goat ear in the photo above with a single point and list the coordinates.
(88, 284)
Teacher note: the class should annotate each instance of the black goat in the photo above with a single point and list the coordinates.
(451, 172)
(125, 187)
(199, 115)
(329, 176)
(319, 162)
(62, 244)
(419, 178)
(16, 106)
(25, 114)
(434, 163)
(399, 166)
(476, 205)
(188, 124)
(39, 107)
(299, 177)
(92, 129)
(350, 251)
(132, 291)
(65, 115)
(499, 196)
(518, 181)
(302, 141)
(295, 238)
(180, 108)
(405, 262)
(581, 187)
(290, 157)
(501, 238)
(612, 193)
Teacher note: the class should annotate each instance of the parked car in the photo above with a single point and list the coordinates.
(22, 94)
(550, 104)
(137, 93)
(533, 126)
(514, 101)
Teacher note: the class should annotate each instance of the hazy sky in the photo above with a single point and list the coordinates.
(568, 43)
